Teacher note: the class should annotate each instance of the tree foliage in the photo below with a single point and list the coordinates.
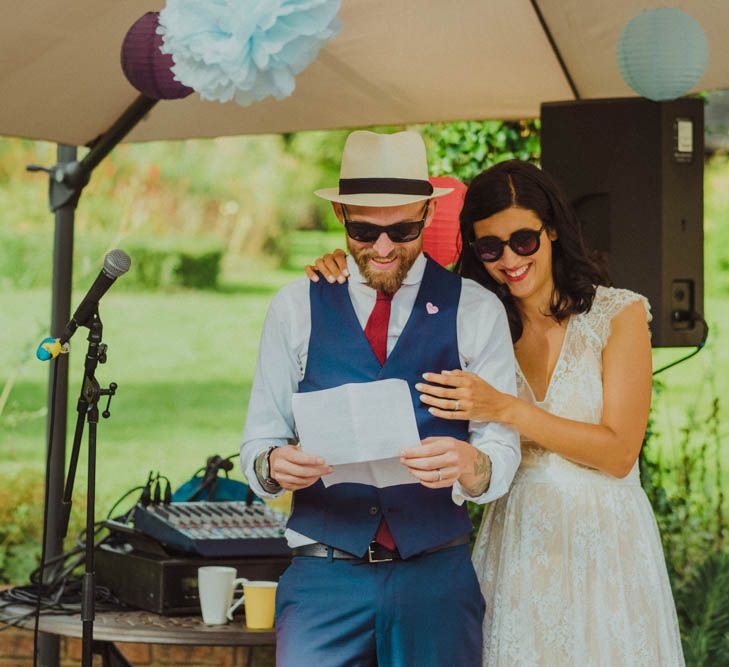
(462, 149)
(465, 148)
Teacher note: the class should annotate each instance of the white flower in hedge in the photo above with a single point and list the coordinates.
(245, 49)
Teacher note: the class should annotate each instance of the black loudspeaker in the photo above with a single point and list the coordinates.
(633, 169)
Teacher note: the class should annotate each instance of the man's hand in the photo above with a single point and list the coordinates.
(439, 462)
(293, 469)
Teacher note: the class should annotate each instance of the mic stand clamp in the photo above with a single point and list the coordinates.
(88, 410)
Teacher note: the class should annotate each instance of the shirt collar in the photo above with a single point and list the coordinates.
(414, 276)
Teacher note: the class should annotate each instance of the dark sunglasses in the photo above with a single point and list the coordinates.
(400, 232)
(523, 242)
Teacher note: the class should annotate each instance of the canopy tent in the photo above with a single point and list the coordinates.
(395, 61)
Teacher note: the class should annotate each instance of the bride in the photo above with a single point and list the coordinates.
(570, 561)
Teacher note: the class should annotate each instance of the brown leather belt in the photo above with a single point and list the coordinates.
(376, 553)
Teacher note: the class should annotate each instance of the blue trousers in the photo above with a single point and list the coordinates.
(426, 611)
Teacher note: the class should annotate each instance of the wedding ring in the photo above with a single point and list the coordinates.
(457, 406)
(440, 475)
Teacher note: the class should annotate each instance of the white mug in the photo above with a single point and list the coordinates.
(215, 585)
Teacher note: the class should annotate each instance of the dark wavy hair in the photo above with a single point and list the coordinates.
(575, 271)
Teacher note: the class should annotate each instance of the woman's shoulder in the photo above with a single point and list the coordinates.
(608, 303)
(614, 299)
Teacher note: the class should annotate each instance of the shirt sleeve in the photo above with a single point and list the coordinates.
(269, 419)
(486, 349)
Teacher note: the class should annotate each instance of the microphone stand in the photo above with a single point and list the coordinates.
(88, 410)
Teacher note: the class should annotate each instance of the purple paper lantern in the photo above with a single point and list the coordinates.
(145, 66)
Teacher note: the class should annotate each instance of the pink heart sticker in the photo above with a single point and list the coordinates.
(432, 310)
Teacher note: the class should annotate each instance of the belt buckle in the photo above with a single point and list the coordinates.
(372, 559)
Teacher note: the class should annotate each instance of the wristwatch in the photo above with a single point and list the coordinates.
(262, 468)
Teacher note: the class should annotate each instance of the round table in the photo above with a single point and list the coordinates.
(143, 627)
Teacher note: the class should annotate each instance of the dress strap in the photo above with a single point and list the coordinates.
(608, 303)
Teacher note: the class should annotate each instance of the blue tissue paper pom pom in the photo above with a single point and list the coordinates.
(245, 49)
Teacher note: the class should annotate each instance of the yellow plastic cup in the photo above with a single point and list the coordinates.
(259, 598)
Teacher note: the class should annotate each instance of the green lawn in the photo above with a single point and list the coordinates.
(184, 363)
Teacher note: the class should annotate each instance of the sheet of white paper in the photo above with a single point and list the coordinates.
(382, 473)
(359, 429)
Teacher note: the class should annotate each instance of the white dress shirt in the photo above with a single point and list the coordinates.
(484, 348)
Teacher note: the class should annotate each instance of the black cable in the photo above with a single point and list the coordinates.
(699, 347)
(65, 600)
(128, 493)
(157, 493)
(230, 458)
(61, 595)
(227, 458)
(146, 496)
(34, 593)
(99, 526)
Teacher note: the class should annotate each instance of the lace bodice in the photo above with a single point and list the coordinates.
(575, 388)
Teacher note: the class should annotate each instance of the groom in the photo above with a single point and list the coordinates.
(381, 576)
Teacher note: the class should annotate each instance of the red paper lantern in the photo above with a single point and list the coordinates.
(442, 238)
(145, 66)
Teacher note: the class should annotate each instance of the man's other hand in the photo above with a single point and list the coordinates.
(441, 461)
(294, 469)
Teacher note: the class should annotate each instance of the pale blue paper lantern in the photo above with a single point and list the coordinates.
(662, 53)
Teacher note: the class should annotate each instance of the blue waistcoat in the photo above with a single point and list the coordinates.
(346, 516)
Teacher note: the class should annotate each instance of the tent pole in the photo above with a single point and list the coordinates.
(555, 49)
(49, 645)
(67, 179)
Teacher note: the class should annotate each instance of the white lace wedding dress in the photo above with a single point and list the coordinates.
(570, 560)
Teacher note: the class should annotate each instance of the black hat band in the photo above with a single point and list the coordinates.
(392, 186)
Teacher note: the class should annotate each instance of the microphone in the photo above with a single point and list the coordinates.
(116, 263)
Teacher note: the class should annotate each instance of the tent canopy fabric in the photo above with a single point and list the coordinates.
(394, 62)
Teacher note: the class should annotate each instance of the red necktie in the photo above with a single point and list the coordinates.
(376, 332)
(376, 328)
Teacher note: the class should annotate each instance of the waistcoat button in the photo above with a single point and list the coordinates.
(374, 510)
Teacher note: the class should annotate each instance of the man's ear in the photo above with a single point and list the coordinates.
(338, 211)
(431, 211)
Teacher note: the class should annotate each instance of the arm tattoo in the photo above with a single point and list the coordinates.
(482, 473)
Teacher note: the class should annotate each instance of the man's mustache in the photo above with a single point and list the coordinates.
(373, 254)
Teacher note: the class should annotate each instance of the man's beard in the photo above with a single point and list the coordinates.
(388, 281)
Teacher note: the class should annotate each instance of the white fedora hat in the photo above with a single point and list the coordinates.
(383, 170)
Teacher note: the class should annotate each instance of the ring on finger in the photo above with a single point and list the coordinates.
(456, 406)
(440, 475)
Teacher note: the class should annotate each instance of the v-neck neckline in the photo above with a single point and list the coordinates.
(558, 363)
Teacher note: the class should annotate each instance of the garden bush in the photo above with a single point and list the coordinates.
(702, 602)
(686, 489)
(26, 260)
(174, 262)
(21, 526)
